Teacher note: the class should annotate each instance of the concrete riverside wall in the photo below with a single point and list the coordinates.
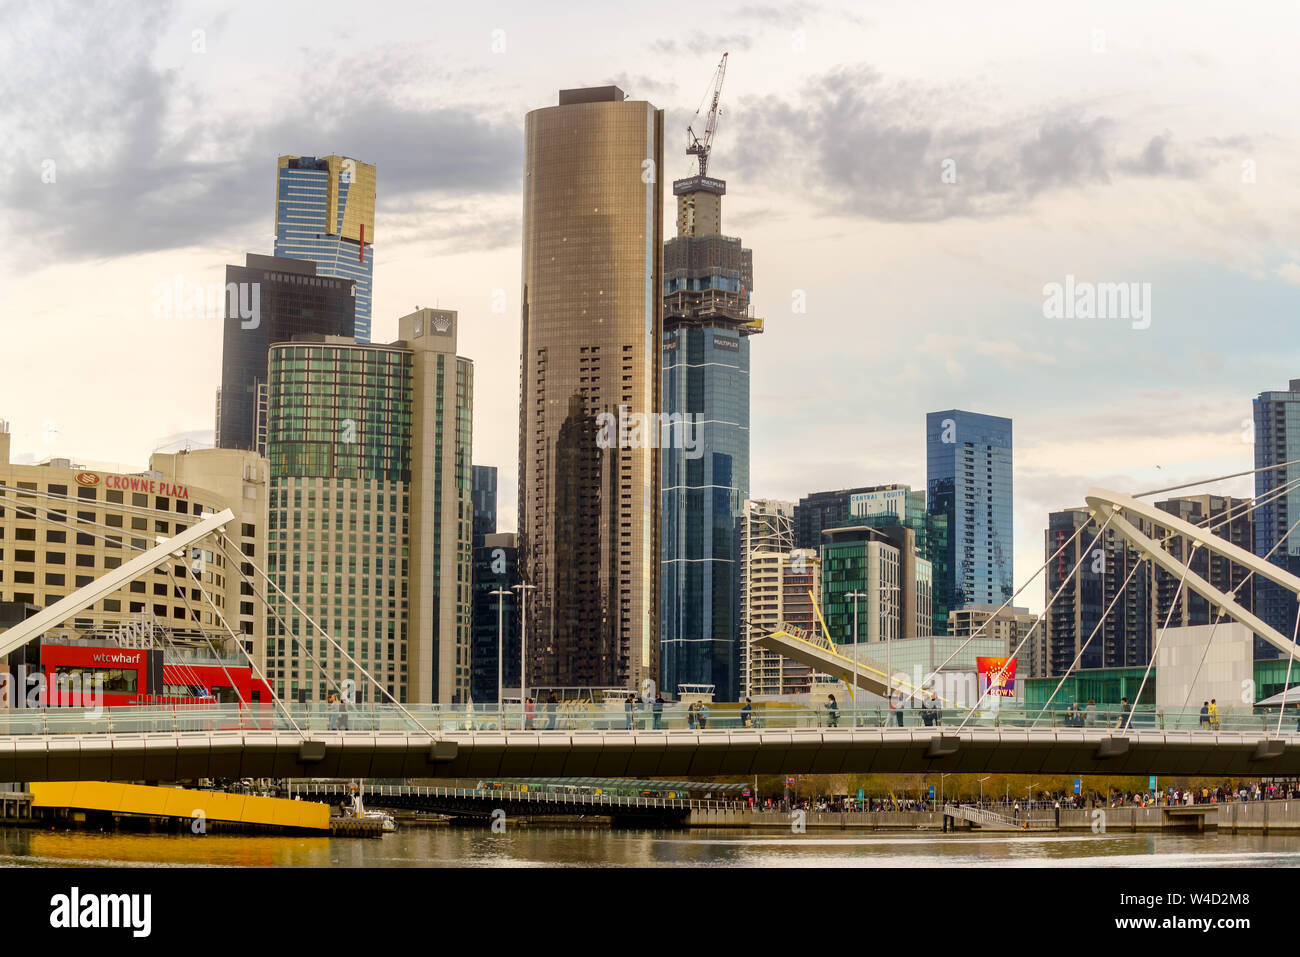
(1233, 816)
(851, 820)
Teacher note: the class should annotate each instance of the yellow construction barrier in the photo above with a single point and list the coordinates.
(179, 802)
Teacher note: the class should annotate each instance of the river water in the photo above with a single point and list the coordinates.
(598, 847)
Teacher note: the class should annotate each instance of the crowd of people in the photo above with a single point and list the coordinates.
(1042, 801)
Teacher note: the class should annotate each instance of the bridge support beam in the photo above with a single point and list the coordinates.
(943, 746)
(1269, 750)
(311, 752)
(1112, 748)
(443, 752)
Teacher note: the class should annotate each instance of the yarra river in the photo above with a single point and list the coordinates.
(598, 847)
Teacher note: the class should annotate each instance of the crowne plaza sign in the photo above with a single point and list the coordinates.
(133, 483)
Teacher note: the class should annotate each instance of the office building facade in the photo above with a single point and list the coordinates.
(590, 353)
(370, 512)
(708, 322)
(892, 507)
(884, 568)
(496, 617)
(1110, 612)
(241, 480)
(764, 526)
(63, 526)
(273, 300)
(325, 213)
(1277, 441)
(781, 590)
(968, 480)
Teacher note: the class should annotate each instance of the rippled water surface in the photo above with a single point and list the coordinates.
(596, 847)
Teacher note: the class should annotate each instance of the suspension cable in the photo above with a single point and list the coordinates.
(25, 494)
(1175, 488)
(1210, 523)
(1187, 567)
(328, 637)
(1101, 531)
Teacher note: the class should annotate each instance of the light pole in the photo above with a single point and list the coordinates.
(982, 780)
(501, 593)
(523, 647)
(941, 777)
(855, 595)
(889, 666)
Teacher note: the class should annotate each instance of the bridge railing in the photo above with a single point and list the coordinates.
(488, 796)
(612, 718)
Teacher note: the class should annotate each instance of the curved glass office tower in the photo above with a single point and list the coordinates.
(591, 331)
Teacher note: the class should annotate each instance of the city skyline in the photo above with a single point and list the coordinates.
(1155, 399)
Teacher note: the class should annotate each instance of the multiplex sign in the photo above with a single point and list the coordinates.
(133, 483)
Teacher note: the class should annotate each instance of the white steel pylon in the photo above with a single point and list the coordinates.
(1105, 504)
(111, 581)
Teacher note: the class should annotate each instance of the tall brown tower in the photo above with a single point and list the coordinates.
(592, 326)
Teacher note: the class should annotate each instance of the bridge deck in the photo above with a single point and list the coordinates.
(171, 756)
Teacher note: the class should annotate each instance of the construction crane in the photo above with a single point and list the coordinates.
(700, 147)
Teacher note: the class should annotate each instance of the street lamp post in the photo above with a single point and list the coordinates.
(855, 595)
(982, 780)
(941, 777)
(884, 627)
(501, 705)
(523, 590)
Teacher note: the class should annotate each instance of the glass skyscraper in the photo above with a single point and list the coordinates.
(370, 513)
(708, 322)
(292, 298)
(1277, 440)
(325, 213)
(590, 347)
(968, 479)
(897, 506)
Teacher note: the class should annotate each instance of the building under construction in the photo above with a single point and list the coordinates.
(708, 319)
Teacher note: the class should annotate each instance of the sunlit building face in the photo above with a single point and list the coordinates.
(590, 344)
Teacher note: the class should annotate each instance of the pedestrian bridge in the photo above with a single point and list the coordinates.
(515, 802)
(178, 744)
(989, 820)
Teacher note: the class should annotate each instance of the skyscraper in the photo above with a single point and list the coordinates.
(268, 300)
(591, 336)
(763, 528)
(496, 617)
(370, 515)
(485, 502)
(968, 479)
(1090, 576)
(496, 620)
(1277, 440)
(883, 507)
(883, 565)
(325, 212)
(708, 279)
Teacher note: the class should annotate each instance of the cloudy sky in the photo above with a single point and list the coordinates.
(915, 173)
